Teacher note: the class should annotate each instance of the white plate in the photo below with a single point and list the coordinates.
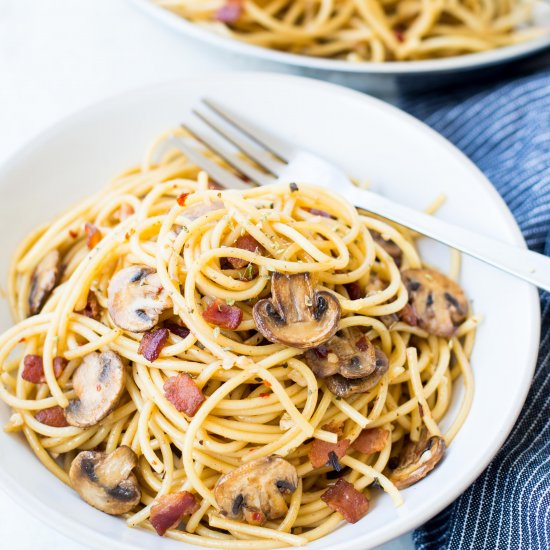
(343, 71)
(400, 156)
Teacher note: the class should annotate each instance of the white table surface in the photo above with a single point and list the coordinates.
(57, 56)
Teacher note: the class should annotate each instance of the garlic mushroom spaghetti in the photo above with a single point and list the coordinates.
(244, 361)
(367, 30)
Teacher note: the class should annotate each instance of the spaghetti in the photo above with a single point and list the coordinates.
(367, 30)
(193, 402)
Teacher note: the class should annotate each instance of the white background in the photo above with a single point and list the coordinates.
(57, 56)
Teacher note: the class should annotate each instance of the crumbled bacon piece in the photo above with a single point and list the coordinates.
(344, 498)
(317, 212)
(33, 368)
(52, 416)
(152, 343)
(245, 242)
(178, 330)
(183, 393)
(92, 308)
(170, 509)
(124, 212)
(323, 453)
(93, 235)
(354, 291)
(182, 198)
(371, 440)
(407, 315)
(223, 315)
(230, 12)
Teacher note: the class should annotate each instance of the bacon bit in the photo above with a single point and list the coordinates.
(33, 368)
(73, 234)
(354, 291)
(408, 315)
(371, 440)
(245, 242)
(344, 498)
(152, 343)
(334, 427)
(317, 212)
(320, 452)
(93, 235)
(178, 330)
(92, 308)
(170, 509)
(183, 393)
(362, 344)
(124, 212)
(52, 416)
(182, 198)
(265, 394)
(230, 12)
(222, 315)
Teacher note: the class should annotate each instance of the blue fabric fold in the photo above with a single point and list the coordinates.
(505, 131)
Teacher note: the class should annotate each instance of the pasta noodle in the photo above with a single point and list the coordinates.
(367, 30)
(261, 398)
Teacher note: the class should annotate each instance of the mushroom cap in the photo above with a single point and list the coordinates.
(106, 481)
(255, 490)
(43, 281)
(99, 384)
(349, 352)
(418, 459)
(439, 303)
(344, 387)
(296, 315)
(136, 298)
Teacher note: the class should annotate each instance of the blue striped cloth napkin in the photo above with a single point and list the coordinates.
(505, 130)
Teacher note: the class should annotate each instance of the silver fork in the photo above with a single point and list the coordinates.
(283, 163)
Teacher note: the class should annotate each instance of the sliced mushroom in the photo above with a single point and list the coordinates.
(344, 387)
(349, 352)
(136, 298)
(255, 490)
(438, 303)
(106, 481)
(296, 314)
(99, 384)
(389, 246)
(418, 459)
(44, 280)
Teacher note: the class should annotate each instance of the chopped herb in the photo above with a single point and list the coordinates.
(333, 461)
(230, 302)
(227, 348)
(216, 333)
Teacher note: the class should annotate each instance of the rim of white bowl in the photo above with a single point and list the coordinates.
(403, 68)
(80, 532)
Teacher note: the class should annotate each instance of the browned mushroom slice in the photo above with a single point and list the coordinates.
(106, 481)
(99, 384)
(344, 387)
(255, 490)
(296, 314)
(44, 279)
(418, 459)
(136, 298)
(389, 246)
(438, 303)
(349, 352)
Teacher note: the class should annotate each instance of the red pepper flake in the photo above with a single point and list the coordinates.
(22, 340)
(245, 242)
(362, 344)
(182, 198)
(267, 383)
(93, 235)
(344, 498)
(265, 394)
(152, 343)
(320, 452)
(169, 510)
(257, 518)
(124, 212)
(317, 212)
(73, 234)
(230, 12)
(52, 416)
(400, 35)
(177, 329)
(354, 291)
(183, 393)
(371, 440)
(223, 315)
(92, 308)
(33, 368)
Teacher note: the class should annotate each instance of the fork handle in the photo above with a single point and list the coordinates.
(521, 262)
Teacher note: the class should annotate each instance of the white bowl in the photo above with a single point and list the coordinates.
(400, 156)
(375, 77)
